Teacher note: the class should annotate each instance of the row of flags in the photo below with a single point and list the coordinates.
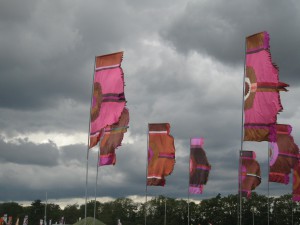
(261, 106)
(7, 220)
(109, 121)
(110, 118)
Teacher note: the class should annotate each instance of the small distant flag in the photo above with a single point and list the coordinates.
(62, 220)
(199, 166)
(161, 153)
(25, 221)
(1, 221)
(9, 220)
(5, 218)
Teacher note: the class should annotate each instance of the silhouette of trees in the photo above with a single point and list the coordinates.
(217, 211)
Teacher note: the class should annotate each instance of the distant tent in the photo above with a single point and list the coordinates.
(89, 221)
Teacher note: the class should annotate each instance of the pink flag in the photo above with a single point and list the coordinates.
(262, 86)
(284, 154)
(296, 181)
(250, 173)
(108, 99)
(199, 166)
(112, 138)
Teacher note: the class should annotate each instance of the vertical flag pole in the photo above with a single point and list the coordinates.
(242, 144)
(165, 221)
(146, 189)
(96, 186)
(189, 185)
(45, 219)
(87, 154)
(268, 183)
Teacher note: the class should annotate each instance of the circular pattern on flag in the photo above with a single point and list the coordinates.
(96, 101)
(244, 172)
(273, 151)
(250, 87)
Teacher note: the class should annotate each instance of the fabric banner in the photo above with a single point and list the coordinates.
(296, 181)
(199, 166)
(9, 222)
(250, 173)
(108, 100)
(262, 86)
(112, 138)
(161, 154)
(25, 221)
(283, 154)
(5, 218)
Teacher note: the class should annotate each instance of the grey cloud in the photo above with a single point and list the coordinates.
(25, 152)
(219, 30)
(190, 78)
(67, 117)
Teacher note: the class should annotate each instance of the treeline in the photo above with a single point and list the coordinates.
(217, 211)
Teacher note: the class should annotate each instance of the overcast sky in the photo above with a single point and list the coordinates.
(183, 64)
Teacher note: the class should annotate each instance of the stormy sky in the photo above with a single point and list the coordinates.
(183, 64)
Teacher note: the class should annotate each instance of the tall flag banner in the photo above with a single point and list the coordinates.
(250, 173)
(5, 218)
(25, 221)
(296, 181)
(9, 222)
(112, 138)
(262, 86)
(199, 166)
(161, 154)
(108, 100)
(62, 220)
(283, 154)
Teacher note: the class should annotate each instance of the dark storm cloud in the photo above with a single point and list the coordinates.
(38, 51)
(37, 168)
(25, 152)
(47, 50)
(182, 65)
(68, 117)
(219, 28)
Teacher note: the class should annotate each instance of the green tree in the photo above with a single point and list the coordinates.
(71, 213)
(54, 213)
(36, 212)
(12, 209)
(90, 207)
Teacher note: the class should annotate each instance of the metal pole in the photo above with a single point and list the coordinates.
(165, 211)
(292, 213)
(146, 189)
(189, 186)
(87, 154)
(96, 186)
(242, 144)
(268, 183)
(188, 208)
(45, 217)
(86, 184)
